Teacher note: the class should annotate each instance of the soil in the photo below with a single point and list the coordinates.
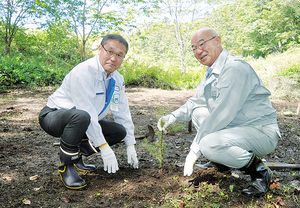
(29, 161)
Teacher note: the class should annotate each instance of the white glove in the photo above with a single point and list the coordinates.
(190, 160)
(109, 159)
(132, 156)
(166, 120)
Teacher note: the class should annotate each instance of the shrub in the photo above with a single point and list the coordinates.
(19, 71)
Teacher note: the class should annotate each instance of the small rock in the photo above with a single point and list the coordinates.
(288, 113)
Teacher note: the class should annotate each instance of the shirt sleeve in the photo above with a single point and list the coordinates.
(83, 95)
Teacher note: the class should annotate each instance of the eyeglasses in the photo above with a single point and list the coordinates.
(111, 53)
(201, 45)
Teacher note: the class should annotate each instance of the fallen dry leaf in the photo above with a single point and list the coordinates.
(27, 129)
(182, 205)
(8, 178)
(274, 184)
(26, 201)
(280, 201)
(32, 178)
(37, 189)
(275, 205)
(65, 199)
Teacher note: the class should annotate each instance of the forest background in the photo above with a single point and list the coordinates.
(42, 40)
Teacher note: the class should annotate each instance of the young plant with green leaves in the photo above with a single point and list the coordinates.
(157, 150)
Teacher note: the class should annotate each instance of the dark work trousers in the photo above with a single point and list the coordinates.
(71, 124)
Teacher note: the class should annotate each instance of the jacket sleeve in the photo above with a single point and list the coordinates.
(184, 113)
(234, 86)
(123, 117)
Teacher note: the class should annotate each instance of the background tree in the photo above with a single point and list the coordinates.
(167, 36)
(14, 14)
(182, 16)
(91, 19)
(158, 31)
(80, 16)
(257, 28)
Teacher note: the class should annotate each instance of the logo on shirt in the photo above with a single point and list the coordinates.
(117, 88)
(116, 98)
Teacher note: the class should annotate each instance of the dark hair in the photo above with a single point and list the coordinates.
(115, 37)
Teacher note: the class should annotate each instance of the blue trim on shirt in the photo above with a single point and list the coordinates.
(109, 92)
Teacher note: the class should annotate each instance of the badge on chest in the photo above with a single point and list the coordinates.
(114, 105)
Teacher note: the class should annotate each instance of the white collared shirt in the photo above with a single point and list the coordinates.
(84, 88)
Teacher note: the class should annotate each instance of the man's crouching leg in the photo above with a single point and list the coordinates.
(86, 149)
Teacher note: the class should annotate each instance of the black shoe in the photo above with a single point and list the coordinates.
(260, 177)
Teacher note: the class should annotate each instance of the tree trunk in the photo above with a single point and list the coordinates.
(8, 40)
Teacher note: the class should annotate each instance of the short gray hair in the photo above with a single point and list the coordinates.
(115, 37)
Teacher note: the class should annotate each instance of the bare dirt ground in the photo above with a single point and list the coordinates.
(29, 161)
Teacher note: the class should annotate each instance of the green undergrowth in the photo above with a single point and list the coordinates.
(280, 72)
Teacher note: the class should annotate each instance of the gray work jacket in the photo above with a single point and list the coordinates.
(234, 96)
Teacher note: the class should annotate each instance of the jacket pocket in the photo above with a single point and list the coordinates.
(217, 88)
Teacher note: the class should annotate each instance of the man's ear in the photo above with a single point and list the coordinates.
(218, 38)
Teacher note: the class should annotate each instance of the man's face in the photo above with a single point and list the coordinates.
(111, 55)
(206, 46)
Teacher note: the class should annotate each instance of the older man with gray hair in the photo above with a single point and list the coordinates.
(235, 121)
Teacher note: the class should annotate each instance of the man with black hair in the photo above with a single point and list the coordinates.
(75, 112)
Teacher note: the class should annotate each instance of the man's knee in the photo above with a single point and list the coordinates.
(209, 146)
(81, 118)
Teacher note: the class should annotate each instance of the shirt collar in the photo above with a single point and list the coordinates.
(210, 69)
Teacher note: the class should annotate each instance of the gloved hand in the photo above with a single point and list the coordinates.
(190, 160)
(109, 159)
(165, 121)
(132, 156)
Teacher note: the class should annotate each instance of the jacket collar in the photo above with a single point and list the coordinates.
(220, 62)
(217, 67)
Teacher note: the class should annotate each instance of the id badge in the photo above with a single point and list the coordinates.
(114, 105)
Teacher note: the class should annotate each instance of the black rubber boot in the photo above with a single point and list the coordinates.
(67, 171)
(86, 149)
(80, 165)
(260, 177)
(210, 164)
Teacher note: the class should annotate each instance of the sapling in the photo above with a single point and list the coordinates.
(157, 150)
